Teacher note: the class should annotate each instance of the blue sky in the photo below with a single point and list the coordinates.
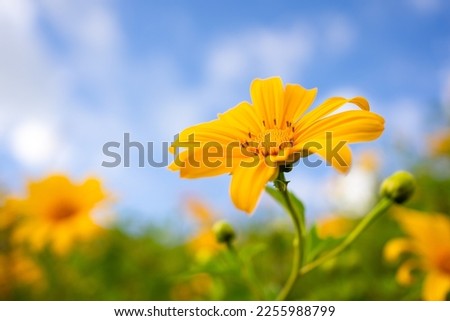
(77, 74)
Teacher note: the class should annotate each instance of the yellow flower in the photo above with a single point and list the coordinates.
(8, 213)
(200, 211)
(335, 227)
(429, 241)
(252, 141)
(204, 244)
(57, 212)
(440, 143)
(199, 286)
(18, 270)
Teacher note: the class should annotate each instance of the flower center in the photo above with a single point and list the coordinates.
(444, 264)
(270, 142)
(62, 211)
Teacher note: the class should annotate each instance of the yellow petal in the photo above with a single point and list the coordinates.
(267, 98)
(200, 211)
(243, 118)
(396, 247)
(10, 212)
(296, 101)
(174, 166)
(404, 273)
(247, 184)
(436, 287)
(334, 153)
(205, 162)
(286, 156)
(197, 167)
(234, 126)
(431, 236)
(329, 106)
(90, 193)
(213, 131)
(431, 232)
(62, 240)
(351, 126)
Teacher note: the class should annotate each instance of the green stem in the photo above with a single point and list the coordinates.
(298, 243)
(248, 273)
(381, 206)
(231, 248)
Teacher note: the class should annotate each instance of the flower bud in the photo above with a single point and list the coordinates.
(224, 232)
(399, 187)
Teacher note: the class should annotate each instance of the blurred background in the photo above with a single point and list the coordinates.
(75, 75)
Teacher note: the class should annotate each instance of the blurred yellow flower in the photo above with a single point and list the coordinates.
(204, 244)
(8, 212)
(198, 287)
(200, 211)
(251, 141)
(335, 227)
(370, 160)
(18, 270)
(57, 213)
(429, 242)
(440, 143)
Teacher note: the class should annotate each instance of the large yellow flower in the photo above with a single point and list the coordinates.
(252, 141)
(57, 212)
(429, 243)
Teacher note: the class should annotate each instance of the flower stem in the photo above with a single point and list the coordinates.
(298, 243)
(248, 273)
(378, 209)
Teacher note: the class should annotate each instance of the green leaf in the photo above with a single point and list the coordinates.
(272, 191)
(316, 246)
(249, 252)
(296, 203)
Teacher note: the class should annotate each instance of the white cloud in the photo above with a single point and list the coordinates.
(36, 96)
(445, 92)
(353, 193)
(35, 143)
(261, 52)
(30, 83)
(90, 24)
(425, 6)
(406, 123)
(340, 35)
(346, 92)
(19, 13)
(93, 35)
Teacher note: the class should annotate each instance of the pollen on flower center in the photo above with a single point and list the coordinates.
(269, 142)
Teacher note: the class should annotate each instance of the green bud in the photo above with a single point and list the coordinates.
(224, 232)
(280, 185)
(399, 187)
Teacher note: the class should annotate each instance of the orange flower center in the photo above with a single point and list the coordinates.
(63, 210)
(444, 263)
(272, 141)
